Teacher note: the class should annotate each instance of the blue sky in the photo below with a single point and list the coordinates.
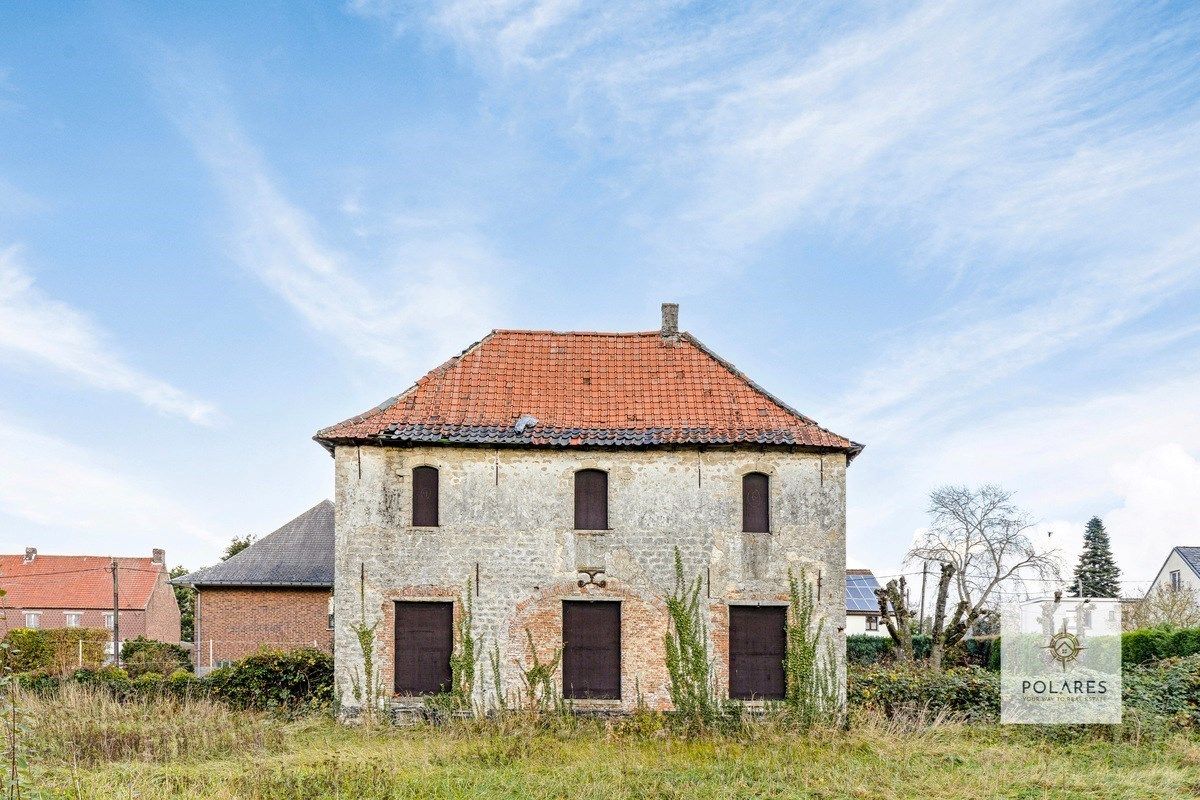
(964, 234)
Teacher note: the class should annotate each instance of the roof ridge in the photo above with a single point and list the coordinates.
(546, 332)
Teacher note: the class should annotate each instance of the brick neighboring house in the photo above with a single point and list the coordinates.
(555, 474)
(275, 593)
(45, 591)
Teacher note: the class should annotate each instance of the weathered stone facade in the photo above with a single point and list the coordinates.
(506, 526)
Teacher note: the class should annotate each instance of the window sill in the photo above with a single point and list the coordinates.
(422, 528)
(592, 531)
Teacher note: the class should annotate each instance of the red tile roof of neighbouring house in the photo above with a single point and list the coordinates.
(547, 389)
(75, 582)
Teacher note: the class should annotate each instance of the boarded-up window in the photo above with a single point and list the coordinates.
(757, 646)
(591, 650)
(424, 641)
(425, 497)
(591, 500)
(756, 501)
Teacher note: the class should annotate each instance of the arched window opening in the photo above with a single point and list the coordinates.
(591, 500)
(425, 497)
(756, 502)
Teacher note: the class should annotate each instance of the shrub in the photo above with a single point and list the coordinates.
(1169, 688)
(70, 649)
(971, 692)
(39, 682)
(1145, 645)
(142, 655)
(270, 679)
(25, 650)
(864, 649)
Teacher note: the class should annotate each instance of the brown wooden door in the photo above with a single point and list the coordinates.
(757, 646)
(591, 650)
(424, 643)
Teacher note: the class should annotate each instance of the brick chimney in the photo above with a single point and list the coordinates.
(158, 556)
(30, 555)
(670, 320)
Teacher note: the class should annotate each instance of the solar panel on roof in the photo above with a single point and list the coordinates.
(860, 593)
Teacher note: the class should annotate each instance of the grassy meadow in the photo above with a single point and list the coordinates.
(81, 746)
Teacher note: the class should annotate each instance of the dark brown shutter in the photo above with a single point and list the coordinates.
(591, 650)
(425, 497)
(424, 643)
(591, 500)
(756, 499)
(757, 647)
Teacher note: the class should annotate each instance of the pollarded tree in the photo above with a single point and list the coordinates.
(1096, 574)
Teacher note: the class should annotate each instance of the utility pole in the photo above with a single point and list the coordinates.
(116, 617)
(921, 621)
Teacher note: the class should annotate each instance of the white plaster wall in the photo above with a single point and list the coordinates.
(857, 623)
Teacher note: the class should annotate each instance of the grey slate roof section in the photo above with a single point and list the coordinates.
(1191, 556)
(298, 554)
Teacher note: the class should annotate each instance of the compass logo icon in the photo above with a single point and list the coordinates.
(1064, 647)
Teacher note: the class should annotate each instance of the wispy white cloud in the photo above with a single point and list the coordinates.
(1129, 456)
(63, 488)
(423, 298)
(44, 332)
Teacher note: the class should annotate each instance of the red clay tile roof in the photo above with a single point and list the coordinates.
(75, 582)
(585, 389)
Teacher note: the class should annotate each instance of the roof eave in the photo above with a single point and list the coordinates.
(261, 585)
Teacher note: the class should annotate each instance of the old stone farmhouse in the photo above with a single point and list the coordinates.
(276, 593)
(553, 475)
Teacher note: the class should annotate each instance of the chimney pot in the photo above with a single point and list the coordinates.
(30, 554)
(158, 556)
(670, 320)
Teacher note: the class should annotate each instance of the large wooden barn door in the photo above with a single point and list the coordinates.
(424, 643)
(591, 650)
(757, 646)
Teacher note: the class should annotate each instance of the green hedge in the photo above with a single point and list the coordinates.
(25, 649)
(141, 655)
(295, 680)
(289, 680)
(53, 650)
(971, 692)
(1147, 645)
(980, 651)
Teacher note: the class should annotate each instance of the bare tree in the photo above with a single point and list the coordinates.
(1163, 606)
(980, 538)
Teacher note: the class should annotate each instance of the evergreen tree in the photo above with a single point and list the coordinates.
(1096, 573)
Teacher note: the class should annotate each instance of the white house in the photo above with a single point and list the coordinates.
(862, 607)
(1181, 570)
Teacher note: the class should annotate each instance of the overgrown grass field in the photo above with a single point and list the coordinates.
(82, 745)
